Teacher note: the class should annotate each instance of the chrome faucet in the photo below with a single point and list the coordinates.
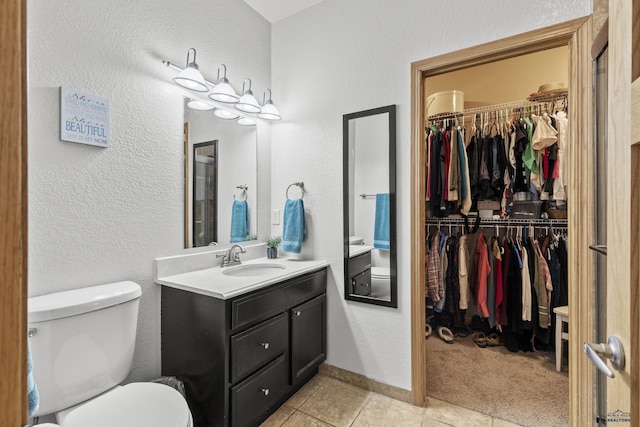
(232, 257)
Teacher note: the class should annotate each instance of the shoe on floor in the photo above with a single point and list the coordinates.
(480, 339)
(445, 334)
(493, 340)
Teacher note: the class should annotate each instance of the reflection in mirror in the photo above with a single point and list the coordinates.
(205, 193)
(369, 146)
(220, 169)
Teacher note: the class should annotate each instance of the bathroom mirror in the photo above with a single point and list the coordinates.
(220, 168)
(369, 180)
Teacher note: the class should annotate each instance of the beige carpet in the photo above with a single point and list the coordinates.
(522, 388)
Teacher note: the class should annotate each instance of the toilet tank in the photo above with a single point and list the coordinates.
(82, 342)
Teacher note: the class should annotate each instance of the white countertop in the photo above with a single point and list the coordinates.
(212, 282)
(355, 250)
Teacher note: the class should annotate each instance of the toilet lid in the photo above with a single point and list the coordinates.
(380, 272)
(355, 240)
(135, 404)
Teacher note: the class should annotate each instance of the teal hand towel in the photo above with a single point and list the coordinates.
(239, 221)
(294, 231)
(381, 224)
(32, 391)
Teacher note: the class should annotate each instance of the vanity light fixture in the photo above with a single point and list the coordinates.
(225, 114)
(245, 121)
(268, 110)
(196, 104)
(190, 77)
(223, 92)
(248, 103)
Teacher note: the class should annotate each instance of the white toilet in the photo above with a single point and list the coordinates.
(381, 282)
(82, 344)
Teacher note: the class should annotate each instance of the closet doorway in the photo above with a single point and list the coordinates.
(575, 36)
(489, 368)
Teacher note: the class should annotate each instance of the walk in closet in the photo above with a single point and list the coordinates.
(496, 229)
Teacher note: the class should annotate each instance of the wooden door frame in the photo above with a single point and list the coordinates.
(577, 35)
(13, 213)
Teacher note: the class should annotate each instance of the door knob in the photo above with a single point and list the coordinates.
(612, 350)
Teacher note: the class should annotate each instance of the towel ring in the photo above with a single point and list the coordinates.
(244, 189)
(297, 184)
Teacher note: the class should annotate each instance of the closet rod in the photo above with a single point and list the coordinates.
(503, 222)
(495, 107)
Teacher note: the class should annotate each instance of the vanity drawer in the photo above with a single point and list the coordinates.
(252, 397)
(359, 263)
(258, 345)
(361, 283)
(263, 304)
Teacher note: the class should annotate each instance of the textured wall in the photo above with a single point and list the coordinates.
(340, 57)
(102, 215)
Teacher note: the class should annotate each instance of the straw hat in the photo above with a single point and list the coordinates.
(549, 89)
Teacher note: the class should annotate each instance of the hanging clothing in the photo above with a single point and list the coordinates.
(435, 283)
(483, 269)
(544, 287)
(559, 191)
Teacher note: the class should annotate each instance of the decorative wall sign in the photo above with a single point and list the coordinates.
(84, 118)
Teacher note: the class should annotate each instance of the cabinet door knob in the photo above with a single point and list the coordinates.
(265, 391)
(297, 312)
(265, 345)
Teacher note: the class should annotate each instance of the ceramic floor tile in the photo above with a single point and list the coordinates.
(502, 423)
(455, 415)
(382, 411)
(336, 403)
(429, 422)
(306, 391)
(279, 417)
(299, 419)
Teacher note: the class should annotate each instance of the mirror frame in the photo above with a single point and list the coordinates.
(391, 111)
(194, 190)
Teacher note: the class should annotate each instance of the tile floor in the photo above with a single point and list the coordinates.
(326, 402)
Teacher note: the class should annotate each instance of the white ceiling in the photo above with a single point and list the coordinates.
(275, 10)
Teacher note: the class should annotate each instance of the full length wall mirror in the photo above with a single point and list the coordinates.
(369, 180)
(221, 200)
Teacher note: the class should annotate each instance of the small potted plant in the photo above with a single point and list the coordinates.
(272, 246)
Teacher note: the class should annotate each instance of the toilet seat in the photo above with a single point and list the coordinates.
(380, 272)
(133, 405)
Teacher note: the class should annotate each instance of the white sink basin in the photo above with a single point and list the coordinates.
(249, 270)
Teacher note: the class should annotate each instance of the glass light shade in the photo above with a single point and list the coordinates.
(269, 111)
(191, 79)
(196, 104)
(223, 92)
(225, 114)
(248, 103)
(245, 121)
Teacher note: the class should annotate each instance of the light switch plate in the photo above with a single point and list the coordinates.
(275, 216)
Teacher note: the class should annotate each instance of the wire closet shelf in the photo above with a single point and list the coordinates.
(537, 104)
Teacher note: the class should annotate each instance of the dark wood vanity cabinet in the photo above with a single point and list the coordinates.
(360, 274)
(241, 358)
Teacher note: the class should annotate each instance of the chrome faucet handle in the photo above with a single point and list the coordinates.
(225, 259)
